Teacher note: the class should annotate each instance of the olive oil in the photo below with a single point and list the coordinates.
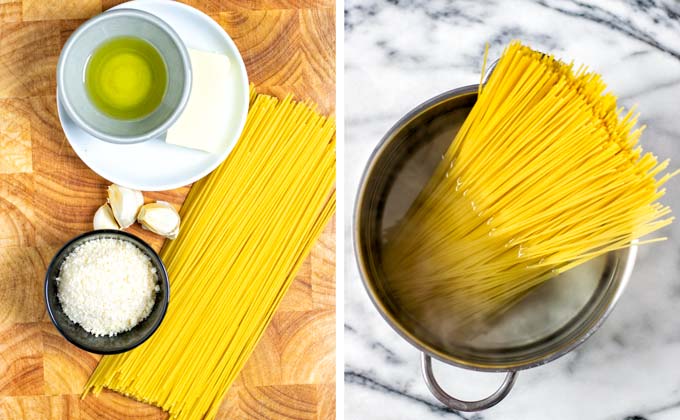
(126, 78)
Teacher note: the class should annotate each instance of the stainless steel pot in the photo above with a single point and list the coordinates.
(553, 320)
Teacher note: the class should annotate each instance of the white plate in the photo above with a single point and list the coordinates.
(154, 165)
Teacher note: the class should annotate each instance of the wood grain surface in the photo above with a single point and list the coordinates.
(47, 196)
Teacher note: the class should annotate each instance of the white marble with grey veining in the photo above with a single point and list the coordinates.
(399, 53)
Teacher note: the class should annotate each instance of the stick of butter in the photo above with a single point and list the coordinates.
(203, 124)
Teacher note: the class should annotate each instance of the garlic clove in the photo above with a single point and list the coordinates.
(161, 218)
(103, 219)
(125, 204)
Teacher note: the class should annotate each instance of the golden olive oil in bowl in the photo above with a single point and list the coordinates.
(126, 78)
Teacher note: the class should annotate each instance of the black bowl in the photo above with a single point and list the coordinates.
(124, 341)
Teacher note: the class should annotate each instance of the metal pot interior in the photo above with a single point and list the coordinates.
(553, 319)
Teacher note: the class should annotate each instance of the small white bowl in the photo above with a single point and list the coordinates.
(77, 52)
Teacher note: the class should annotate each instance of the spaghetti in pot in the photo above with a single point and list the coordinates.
(544, 175)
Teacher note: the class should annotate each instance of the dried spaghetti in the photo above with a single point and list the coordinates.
(246, 229)
(545, 174)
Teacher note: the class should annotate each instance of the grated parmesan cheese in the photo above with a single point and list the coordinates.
(107, 286)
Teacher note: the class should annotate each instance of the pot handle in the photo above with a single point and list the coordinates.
(460, 405)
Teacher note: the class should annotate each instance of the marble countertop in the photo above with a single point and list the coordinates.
(399, 53)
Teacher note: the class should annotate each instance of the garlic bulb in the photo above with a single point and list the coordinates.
(103, 218)
(161, 218)
(125, 204)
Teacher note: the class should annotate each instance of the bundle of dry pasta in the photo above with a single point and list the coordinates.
(246, 229)
(544, 174)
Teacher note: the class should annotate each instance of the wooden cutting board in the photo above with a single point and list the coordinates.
(47, 195)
